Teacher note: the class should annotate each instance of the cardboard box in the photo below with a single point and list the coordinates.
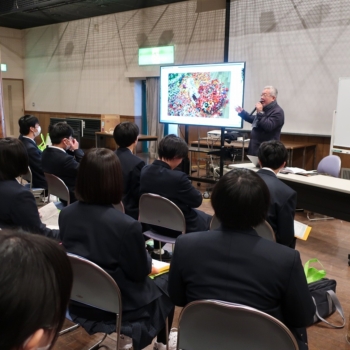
(109, 122)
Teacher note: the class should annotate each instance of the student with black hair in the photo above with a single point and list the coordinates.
(35, 285)
(234, 264)
(18, 208)
(126, 136)
(160, 178)
(95, 230)
(63, 157)
(273, 156)
(29, 129)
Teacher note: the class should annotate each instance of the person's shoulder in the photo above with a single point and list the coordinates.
(130, 157)
(12, 186)
(193, 237)
(279, 108)
(265, 173)
(286, 189)
(278, 253)
(52, 152)
(268, 177)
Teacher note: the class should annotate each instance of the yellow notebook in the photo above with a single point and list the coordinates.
(301, 230)
(158, 268)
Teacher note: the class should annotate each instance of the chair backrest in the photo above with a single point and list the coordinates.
(95, 287)
(28, 177)
(160, 211)
(57, 187)
(120, 207)
(214, 223)
(329, 165)
(37, 192)
(213, 324)
(264, 230)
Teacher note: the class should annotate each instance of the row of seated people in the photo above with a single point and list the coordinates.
(63, 157)
(231, 263)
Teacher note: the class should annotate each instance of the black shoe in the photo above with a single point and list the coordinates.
(166, 256)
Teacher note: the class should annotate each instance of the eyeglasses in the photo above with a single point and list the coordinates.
(265, 94)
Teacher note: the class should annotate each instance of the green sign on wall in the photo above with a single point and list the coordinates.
(156, 55)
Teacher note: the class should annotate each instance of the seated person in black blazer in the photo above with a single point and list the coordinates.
(17, 205)
(35, 282)
(283, 200)
(160, 178)
(234, 264)
(29, 129)
(63, 157)
(95, 230)
(126, 135)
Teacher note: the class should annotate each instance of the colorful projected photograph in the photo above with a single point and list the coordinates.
(199, 94)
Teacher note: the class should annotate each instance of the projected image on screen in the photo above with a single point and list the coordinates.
(199, 94)
(202, 94)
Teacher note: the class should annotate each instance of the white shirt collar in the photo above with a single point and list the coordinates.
(269, 170)
(58, 148)
(29, 138)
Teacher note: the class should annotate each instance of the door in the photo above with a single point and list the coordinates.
(13, 92)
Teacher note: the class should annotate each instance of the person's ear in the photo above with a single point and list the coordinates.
(34, 340)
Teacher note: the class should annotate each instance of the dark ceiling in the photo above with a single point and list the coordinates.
(21, 14)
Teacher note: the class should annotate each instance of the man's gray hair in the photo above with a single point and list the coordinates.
(272, 89)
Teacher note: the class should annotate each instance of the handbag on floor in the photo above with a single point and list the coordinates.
(322, 291)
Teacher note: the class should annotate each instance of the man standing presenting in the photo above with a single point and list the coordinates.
(268, 121)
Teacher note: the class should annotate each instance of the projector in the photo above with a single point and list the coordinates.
(214, 134)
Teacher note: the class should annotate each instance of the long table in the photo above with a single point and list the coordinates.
(317, 193)
(290, 146)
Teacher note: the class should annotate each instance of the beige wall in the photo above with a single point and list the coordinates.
(81, 66)
(11, 53)
(11, 46)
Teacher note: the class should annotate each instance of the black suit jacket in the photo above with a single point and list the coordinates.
(281, 212)
(18, 209)
(131, 168)
(63, 165)
(34, 155)
(241, 267)
(114, 241)
(158, 178)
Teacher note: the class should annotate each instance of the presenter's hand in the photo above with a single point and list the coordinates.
(239, 109)
(74, 145)
(259, 107)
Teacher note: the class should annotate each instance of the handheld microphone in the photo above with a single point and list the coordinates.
(253, 111)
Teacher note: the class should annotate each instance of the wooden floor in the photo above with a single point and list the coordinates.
(329, 241)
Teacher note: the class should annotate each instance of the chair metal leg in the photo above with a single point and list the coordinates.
(167, 333)
(69, 329)
(325, 217)
(97, 345)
